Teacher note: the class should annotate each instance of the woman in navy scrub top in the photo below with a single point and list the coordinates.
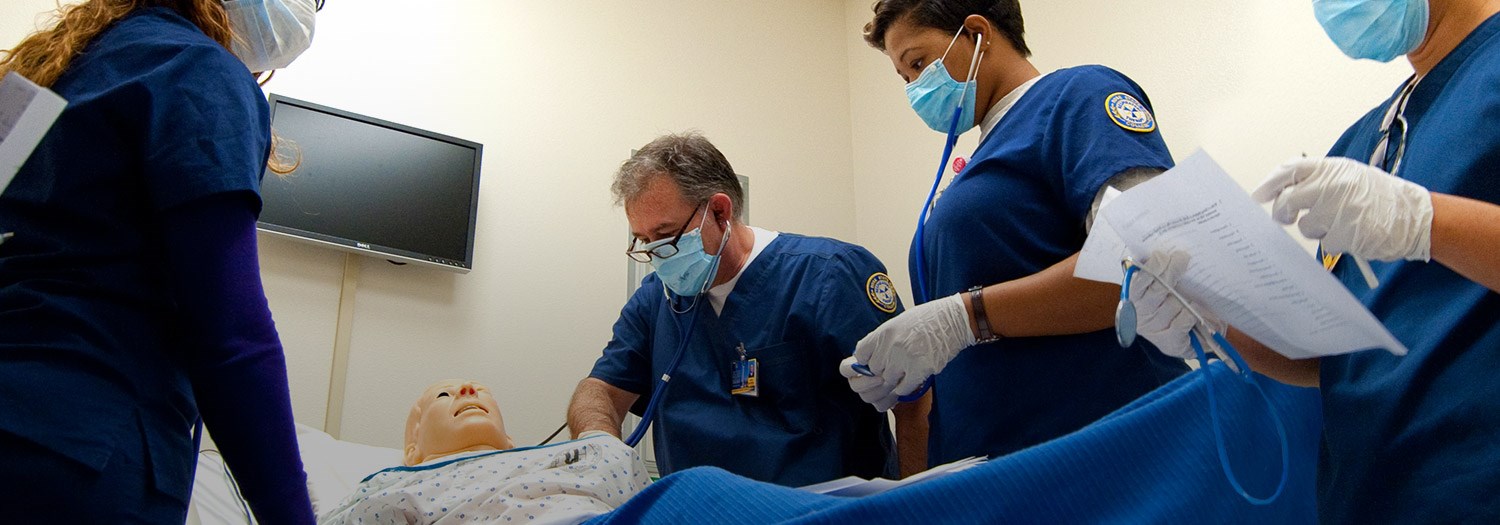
(1414, 188)
(130, 294)
(1033, 358)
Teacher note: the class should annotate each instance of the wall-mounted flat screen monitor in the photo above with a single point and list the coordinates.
(373, 187)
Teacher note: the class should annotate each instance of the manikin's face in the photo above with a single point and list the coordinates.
(454, 416)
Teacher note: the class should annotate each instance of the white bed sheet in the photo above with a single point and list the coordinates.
(333, 469)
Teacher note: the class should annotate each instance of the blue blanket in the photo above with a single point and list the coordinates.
(1152, 461)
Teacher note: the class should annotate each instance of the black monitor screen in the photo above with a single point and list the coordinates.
(373, 185)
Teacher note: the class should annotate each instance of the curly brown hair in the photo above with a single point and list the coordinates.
(44, 55)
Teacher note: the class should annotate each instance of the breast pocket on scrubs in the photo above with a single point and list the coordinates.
(787, 394)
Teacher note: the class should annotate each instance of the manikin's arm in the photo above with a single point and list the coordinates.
(1465, 234)
(597, 405)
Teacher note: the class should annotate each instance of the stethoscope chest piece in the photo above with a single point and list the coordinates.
(1125, 323)
(1125, 317)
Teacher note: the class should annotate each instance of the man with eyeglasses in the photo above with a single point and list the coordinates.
(753, 384)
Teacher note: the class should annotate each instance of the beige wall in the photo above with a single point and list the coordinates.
(559, 92)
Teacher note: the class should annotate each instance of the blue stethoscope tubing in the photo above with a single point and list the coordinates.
(1126, 314)
(687, 335)
(920, 290)
(921, 264)
(661, 386)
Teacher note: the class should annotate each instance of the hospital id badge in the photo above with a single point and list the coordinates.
(743, 380)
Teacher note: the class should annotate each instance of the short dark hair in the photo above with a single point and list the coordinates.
(690, 161)
(949, 16)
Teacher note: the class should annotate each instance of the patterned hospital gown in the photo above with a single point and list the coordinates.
(567, 482)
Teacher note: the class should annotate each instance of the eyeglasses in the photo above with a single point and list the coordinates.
(660, 249)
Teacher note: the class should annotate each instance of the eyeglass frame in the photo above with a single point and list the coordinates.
(648, 253)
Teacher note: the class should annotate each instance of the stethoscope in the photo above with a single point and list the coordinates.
(687, 335)
(920, 266)
(1380, 158)
(1125, 332)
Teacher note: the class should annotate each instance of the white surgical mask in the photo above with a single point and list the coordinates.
(270, 34)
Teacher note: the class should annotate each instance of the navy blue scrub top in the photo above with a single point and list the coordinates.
(1018, 208)
(1417, 438)
(158, 115)
(799, 309)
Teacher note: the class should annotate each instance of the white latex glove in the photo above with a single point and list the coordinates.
(911, 347)
(1352, 208)
(1160, 317)
(871, 389)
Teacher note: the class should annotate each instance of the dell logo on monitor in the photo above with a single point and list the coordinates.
(362, 245)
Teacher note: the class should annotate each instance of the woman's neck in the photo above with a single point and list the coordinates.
(1007, 75)
(1451, 23)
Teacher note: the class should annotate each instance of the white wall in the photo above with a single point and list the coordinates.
(1253, 82)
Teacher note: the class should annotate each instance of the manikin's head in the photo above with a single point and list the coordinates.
(452, 416)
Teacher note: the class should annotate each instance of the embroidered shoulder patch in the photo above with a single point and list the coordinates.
(1129, 113)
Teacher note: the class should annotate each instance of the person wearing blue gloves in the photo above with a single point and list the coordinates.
(1018, 350)
(130, 295)
(1413, 187)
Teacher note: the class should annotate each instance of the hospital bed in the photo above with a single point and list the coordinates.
(1153, 461)
(333, 468)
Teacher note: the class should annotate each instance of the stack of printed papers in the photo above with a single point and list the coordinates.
(854, 487)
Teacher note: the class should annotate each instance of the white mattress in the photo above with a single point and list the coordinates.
(333, 469)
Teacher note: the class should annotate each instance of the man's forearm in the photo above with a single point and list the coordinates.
(595, 407)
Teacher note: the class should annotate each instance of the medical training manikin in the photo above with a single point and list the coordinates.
(461, 466)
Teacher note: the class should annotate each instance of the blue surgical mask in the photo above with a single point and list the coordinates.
(1375, 29)
(686, 273)
(935, 93)
(270, 34)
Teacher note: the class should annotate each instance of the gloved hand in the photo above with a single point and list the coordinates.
(872, 390)
(1160, 317)
(909, 348)
(1352, 208)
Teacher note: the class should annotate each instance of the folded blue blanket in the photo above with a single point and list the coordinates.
(1152, 461)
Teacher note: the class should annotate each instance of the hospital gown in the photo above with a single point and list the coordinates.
(567, 482)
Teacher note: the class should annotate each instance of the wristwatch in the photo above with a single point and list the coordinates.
(981, 320)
